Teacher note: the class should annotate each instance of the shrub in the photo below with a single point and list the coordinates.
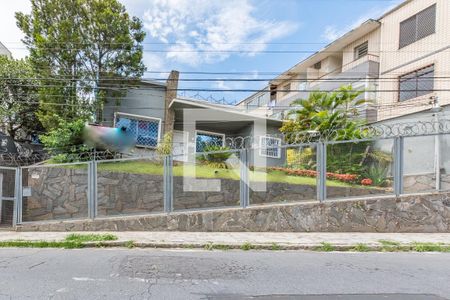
(217, 158)
(366, 181)
(65, 143)
(377, 174)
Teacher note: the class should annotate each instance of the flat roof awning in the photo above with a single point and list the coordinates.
(237, 119)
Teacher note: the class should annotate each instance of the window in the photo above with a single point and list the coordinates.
(361, 50)
(286, 88)
(417, 83)
(269, 147)
(418, 26)
(145, 129)
(204, 139)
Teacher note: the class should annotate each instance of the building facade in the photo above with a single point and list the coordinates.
(4, 50)
(400, 61)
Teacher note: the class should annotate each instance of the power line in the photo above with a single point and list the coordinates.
(340, 79)
(234, 51)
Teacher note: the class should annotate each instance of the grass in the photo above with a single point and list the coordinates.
(204, 171)
(275, 247)
(72, 241)
(247, 246)
(430, 247)
(390, 246)
(326, 247)
(41, 244)
(361, 248)
(76, 242)
(76, 237)
(130, 244)
(212, 246)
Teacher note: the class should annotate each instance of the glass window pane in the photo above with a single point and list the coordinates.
(408, 87)
(425, 81)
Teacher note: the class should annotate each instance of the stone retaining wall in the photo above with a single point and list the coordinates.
(62, 193)
(424, 182)
(418, 213)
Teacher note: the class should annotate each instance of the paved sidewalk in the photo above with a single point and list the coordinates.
(236, 239)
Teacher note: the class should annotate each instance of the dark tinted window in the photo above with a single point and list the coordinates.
(417, 83)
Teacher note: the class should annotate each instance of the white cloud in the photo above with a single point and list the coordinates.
(153, 62)
(201, 26)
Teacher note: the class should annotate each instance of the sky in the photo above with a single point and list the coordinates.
(226, 36)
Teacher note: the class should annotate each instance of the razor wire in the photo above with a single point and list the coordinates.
(366, 132)
(372, 131)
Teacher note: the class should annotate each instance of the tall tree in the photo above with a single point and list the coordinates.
(81, 50)
(18, 99)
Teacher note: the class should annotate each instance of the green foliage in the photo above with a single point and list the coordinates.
(361, 248)
(303, 158)
(41, 244)
(347, 158)
(275, 247)
(212, 246)
(247, 246)
(430, 247)
(378, 174)
(217, 157)
(93, 44)
(130, 244)
(19, 101)
(326, 247)
(327, 113)
(66, 142)
(76, 237)
(165, 146)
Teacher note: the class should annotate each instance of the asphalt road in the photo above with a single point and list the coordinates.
(159, 274)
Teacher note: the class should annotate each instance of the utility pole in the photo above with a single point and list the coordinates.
(437, 142)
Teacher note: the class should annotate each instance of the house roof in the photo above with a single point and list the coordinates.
(154, 82)
(181, 102)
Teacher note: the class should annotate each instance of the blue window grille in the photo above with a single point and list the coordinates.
(146, 132)
(205, 139)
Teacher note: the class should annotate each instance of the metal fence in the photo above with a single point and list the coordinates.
(312, 171)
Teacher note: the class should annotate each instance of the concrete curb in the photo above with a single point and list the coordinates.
(245, 246)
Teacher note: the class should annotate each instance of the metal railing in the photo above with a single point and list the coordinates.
(104, 185)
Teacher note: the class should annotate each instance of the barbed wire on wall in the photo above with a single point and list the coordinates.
(363, 133)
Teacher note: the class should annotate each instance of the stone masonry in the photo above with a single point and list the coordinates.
(62, 193)
(415, 213)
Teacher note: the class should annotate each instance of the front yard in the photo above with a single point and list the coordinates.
(205, 171)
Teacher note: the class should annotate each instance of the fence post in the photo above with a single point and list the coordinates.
(321, 171)
(17, 216)
(398, 165)
(244, 179)
(168, 183)
(92, 189)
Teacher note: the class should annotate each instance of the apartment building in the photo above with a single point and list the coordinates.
(400, 60)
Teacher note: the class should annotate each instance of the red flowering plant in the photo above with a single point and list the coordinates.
(366, 181)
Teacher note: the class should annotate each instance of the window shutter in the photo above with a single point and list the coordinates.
(362, 50)
(418, 26)
(408, 32)
(426, 22)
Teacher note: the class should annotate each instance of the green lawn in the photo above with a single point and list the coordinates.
(202, 171)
